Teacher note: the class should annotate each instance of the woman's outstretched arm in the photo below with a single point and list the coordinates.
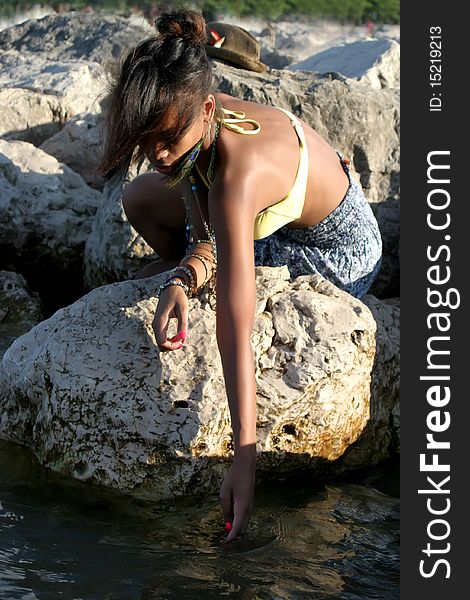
(232, 218)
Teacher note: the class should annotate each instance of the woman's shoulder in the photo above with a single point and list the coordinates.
(244, 154)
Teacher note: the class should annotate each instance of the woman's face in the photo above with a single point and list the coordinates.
(166, 160)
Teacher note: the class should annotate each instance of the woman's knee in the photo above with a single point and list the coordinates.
(157, 214)
(136, 196)
(148, 198)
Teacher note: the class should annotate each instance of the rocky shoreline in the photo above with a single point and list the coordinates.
(88, 348)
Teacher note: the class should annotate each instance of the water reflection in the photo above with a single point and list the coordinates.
(64, 538)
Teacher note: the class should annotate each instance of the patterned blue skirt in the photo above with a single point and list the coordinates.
(345, 247)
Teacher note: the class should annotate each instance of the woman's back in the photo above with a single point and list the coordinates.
(272, 158)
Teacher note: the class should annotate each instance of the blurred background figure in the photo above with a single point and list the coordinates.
(370, 25)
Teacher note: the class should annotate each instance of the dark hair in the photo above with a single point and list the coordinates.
(166, 75)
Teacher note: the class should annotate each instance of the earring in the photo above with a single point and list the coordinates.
(208, 132)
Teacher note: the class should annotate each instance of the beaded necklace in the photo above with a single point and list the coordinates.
(194, 188)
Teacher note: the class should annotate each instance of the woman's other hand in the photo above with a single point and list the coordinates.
(172, 304)
(237, 492)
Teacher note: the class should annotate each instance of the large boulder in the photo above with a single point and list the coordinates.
(381, 436)
(35, 82)
(79, 145)
(89, 392)
(53, 68)
(385, 374)
(293, 41)
(371, 61)
(74, 36)
(29, 116)
(46, 214)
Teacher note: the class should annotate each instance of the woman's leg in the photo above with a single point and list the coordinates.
(157, 214)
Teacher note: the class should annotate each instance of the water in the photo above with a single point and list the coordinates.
(66, 539)
(61, 538)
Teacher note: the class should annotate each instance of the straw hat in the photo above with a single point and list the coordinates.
(235, 45)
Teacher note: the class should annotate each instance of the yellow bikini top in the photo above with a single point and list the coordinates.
(289, 208)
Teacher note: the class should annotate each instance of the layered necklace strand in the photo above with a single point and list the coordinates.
(194, 189)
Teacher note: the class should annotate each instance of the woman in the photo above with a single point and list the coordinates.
(228, 172)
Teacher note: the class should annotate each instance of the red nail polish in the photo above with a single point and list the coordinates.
(182, 334)
(228, 526)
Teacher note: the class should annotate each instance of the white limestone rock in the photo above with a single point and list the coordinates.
(28, 115)
(79, 145)
(381, 437)
(89, 392)
(46, 209)
(295, 41)
(76, 36)
(372, 61)
(76, 87)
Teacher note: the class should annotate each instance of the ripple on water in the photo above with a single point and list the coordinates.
(59, 537)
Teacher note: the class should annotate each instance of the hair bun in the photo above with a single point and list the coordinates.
(187, 24)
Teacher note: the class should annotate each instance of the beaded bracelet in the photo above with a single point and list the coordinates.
(212, 245)
(203, 259)
(212, 260)
(210, 242)
(193, 272)
(192, 275)
(173, 281)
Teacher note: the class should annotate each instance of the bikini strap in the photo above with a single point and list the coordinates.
(345, 162)
(293, 119)
(235, 117)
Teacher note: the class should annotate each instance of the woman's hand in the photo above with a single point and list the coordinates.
(236, 494)
(172, 304)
